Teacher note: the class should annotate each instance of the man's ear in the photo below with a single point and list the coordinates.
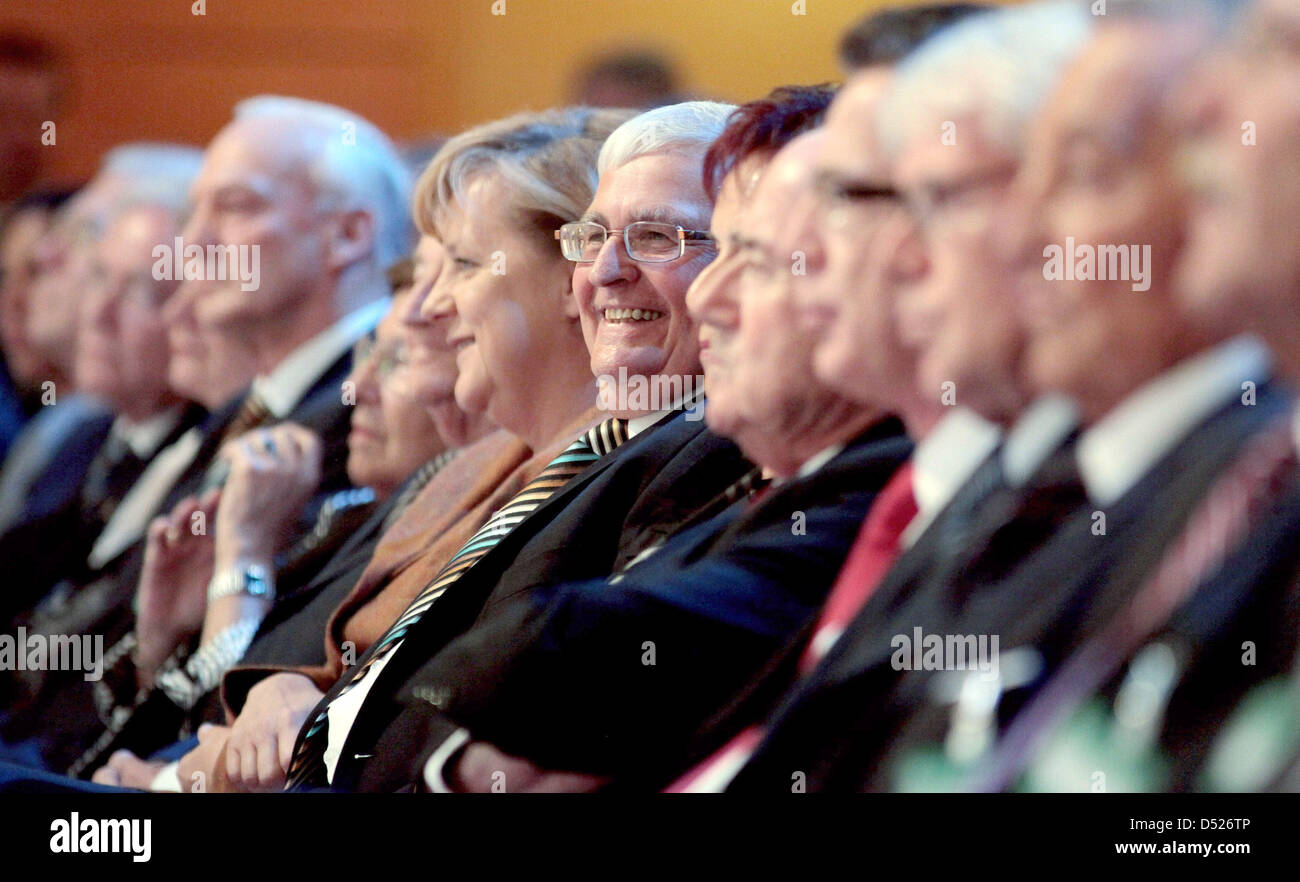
(570, 300)
(351, 237)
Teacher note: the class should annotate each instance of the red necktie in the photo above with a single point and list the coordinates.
(869, 559)
(871, 556)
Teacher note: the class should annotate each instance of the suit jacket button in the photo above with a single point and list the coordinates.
(438, 696)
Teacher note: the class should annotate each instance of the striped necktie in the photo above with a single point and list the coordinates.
(590, 446)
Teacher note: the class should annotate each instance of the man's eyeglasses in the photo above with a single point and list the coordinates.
(387, 357)
(645, 241)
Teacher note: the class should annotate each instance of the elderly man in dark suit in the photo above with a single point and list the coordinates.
(1236, 274)
(311, 225)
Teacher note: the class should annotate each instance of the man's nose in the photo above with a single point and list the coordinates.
(710, 298)
(612, 264)
(98, 302)
(198, 227)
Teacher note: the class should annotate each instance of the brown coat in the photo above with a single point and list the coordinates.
(484, 477)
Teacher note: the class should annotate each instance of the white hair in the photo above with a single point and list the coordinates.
(996, 67)
(351, 161)
(685, 126)
(153, 174)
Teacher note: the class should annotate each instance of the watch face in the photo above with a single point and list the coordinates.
(255, 582)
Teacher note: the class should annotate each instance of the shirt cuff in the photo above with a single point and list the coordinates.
(168, 780)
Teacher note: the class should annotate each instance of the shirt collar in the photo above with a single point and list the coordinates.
(1123, 446)
(145, 436)
(283, 388)
(1041, 429)
(638, 424)
(947, 457)
(693, 404)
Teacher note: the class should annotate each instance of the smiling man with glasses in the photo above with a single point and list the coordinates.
(638, 247)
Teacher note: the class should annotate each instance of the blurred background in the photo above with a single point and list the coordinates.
(128, 70)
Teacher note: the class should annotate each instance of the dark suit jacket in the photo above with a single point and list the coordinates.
(290, 634)
(562, 677)
(62, 712)
(592, 525)
(39, 551)
(848, 723)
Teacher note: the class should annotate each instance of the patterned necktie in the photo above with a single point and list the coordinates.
(1237, 500)
(110, 475)
(251, 414)
(606, 437)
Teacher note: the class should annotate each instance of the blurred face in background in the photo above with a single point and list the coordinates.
(121, 353)
(65, 256)
(712, 297)
(872, 252)
(252, 192)
(959, 318)
(392, 434)
(665, 187)
(19, 271)
(779, 413)
(1100, 168)
(1242, 265)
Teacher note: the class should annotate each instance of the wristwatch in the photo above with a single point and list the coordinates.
(253, 580)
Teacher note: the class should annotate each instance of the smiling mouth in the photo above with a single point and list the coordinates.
(632, 315)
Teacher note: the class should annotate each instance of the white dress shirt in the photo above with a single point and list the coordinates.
(1126, 444)
(281, 390)
(1039, 432)
(944, 460)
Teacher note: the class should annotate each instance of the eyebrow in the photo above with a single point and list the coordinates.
(239, 189)
(854, 186)
(664, 214)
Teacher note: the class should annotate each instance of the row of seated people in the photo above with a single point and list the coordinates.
(993, 488)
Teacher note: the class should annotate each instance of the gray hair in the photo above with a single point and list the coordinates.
(155, 174)
(997, 66)
(547, 158)
(351, 162)
(1219, 16)
(685, 126)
